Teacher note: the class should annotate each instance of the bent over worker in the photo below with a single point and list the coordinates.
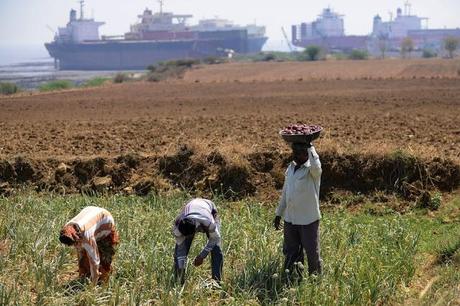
(198, 215)
(93, 234)
(299, 206)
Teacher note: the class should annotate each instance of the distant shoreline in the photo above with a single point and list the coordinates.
(29, 75)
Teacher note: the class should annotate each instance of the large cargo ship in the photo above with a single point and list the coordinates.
(160, 36)
(328, 32)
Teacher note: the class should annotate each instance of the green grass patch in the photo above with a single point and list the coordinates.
(56, 85)
(358, 55)
(94, 82)
(7, 88)
(367, 259)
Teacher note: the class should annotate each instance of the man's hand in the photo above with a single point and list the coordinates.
(198, 261)
(277, 222)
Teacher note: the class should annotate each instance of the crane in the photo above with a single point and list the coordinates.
(287, 40)
(51, 29)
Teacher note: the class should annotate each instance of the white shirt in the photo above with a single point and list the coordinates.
(299, 203)
(202, 212)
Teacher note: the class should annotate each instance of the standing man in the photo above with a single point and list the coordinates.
(93, 234)
(198, 215)
(299, 206)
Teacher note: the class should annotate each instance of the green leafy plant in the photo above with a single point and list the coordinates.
(8, 88)
(313, 53)
(428, 53)
(358, 55)
(56, 85)
(451, 45)
(94, 82)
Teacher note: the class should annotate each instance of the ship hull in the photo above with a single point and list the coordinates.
(341, 43)
(138, 55)
(255, 44)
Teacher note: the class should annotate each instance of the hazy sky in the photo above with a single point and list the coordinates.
(25, 21)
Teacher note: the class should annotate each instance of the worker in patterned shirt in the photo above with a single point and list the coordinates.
(93, 234)
(198, 215)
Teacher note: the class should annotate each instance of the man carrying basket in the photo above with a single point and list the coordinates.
(299, 205)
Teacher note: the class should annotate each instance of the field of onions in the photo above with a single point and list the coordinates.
(368, 259)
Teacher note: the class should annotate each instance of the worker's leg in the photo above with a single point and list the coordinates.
(83, 264)
(291, 246)
(311, 243)
(217, 262)
(180, 273)
(106, 247)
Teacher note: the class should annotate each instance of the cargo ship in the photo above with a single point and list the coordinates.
(328, 32)
(157, 37)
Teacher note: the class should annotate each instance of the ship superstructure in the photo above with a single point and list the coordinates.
(408, 25)
(78, 30)
(160, 26)
(256, 33)
(328, 32)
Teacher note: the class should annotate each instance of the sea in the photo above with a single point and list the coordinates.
(29, 66)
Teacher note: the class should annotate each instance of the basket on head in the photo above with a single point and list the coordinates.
(301, 133)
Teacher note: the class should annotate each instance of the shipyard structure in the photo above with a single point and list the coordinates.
(328, 32)
(157, 37)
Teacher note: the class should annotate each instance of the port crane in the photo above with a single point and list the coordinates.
(287, 40)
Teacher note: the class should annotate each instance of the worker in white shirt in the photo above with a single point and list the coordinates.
(299, 207)
(198, 215)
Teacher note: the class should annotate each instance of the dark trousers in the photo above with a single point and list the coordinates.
(298, 238)
(217, 259)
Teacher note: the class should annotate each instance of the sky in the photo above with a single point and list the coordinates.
(27, 22)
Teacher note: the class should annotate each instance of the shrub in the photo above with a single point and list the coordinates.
(188, 63)
(152, 68)
(312, 52)
(120, 78)
(56, 85)
(97, 81)
(407, 46)
(211, 60)
(451, 44)
(269, 57)
(339, 56)
(264, 57)
(428, 53)
(358, 55)
(8, 88)
(154, 77)
(432, 202)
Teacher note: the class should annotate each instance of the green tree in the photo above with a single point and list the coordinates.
(451, 44)
(383, 45)
(313, 52)
(407, 46)
(358, 55)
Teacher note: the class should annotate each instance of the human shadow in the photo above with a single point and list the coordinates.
(74, 286)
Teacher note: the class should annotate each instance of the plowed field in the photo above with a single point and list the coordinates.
(238, 109)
